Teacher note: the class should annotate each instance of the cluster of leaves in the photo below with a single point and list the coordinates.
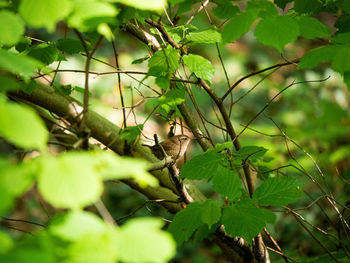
(242, 216)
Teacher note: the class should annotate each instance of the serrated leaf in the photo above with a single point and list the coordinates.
(44, 13)
(250, 152)
(270, 217)
(307, 7)
(225, 9)
(186, 222)
(18, 64)
(316, 56)
(211, 212)
(341, 38)
(278, 191)
(203, 166)
(310, 27)
(145, 236)
(12, 28)
(164, 62)
(341, 60)
(277, 31)
(227, 183)
(243, 220)
(239, 25)
(200, 66)
(210, 36)
(265, 7)
(22, 126)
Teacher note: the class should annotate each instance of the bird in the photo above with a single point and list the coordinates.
(175, 147)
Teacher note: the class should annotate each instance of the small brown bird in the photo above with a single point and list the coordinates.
(174, 147)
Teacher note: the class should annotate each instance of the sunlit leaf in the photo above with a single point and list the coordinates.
(22, 126)
(144, 241)
(18, 64)
(44, 13)
(200, 66)
(69, 180)
(12, 28)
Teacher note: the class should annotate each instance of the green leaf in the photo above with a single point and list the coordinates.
(45, 53)
(243, 220)
(211, 212)
(131, 133)
(22, 126)
(156, 5)
(76, 225)
(278, 191)
(6, 243)
(200, 66)
(144, 241)
(307, 7)
(186, 222)
(87, 15)
(172, 98)
(277, 31)
(12, 28)
(227, 183)
(270, 217)
(239, 25)
(341, 60)
(95, 247)
(8, 83)
(44, 13)
(250, 152)
(310, 27)
(21, 175)
(265, 7)
(164, 62)
(312, 58)
(163, 82)
(69, 180)
(71, 46)
(225, 10)
(341, 38)
(209, 36)
(203, 166)
(109, 166)
(18, 64)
